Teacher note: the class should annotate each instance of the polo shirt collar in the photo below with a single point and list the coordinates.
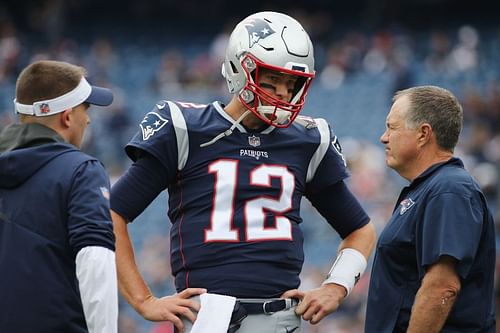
(433, 168)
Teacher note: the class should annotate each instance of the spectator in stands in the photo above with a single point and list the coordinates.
(10, 50)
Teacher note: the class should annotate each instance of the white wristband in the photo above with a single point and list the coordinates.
(347, 269)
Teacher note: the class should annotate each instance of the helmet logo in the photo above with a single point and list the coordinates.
(257, 29)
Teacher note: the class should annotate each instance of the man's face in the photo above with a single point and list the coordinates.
(277, 84)
(79, 122)
(401, 142)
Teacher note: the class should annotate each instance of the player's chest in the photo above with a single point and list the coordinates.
(252, 150)
(249, 161)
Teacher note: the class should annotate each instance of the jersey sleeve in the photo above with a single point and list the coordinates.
(89, 219)
(328, 165)
(138, 187)
(157, 135)
(452, 225)
(340, 208)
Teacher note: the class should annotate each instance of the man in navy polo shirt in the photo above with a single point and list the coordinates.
(434, 264)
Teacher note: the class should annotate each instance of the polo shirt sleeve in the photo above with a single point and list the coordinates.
(451, 225)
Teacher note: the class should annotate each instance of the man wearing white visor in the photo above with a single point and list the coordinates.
(56, 237)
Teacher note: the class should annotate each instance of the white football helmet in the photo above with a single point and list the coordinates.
(273, 41)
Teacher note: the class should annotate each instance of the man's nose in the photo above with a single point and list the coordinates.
(282, 91)
(384, 137)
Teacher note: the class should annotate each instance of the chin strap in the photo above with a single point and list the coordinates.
(227, 132)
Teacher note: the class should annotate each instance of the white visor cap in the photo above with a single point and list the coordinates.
(83, 93)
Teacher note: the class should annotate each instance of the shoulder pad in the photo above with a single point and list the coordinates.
(306, 121)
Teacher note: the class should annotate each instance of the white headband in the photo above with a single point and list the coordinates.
(52, 106)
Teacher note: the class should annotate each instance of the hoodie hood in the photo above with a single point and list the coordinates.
(26, 148)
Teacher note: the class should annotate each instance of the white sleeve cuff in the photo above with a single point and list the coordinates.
(96, 273)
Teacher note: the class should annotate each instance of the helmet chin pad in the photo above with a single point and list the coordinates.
(277, 117)
(268, 108)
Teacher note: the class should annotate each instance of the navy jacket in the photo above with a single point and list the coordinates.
(53, 202)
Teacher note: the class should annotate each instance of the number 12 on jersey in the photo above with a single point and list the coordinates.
(225, 188)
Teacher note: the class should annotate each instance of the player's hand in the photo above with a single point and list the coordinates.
(170, 308)
(316, 304)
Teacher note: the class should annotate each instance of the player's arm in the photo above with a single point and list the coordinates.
(435, 297)
(362, 240)
(341, 209)
(130, 196)
(130, 282)
(344, 213)
(135, 290)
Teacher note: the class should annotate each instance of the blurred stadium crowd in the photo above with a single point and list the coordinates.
(358, 70)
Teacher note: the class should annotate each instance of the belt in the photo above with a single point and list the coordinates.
(256, 306)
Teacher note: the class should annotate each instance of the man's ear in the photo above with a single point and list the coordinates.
(425, 133)
(65, 118)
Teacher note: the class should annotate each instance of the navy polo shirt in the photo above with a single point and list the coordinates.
(442, 212)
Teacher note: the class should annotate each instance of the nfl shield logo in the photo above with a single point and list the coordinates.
(254, 141)
(44, 108)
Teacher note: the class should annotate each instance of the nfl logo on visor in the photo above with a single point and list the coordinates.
(44, 108)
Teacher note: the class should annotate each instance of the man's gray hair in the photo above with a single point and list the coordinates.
(437, 107)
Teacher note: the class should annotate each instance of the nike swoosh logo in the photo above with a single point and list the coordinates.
(293, 329)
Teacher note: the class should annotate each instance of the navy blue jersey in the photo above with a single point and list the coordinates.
(442, 212)
(234, 205)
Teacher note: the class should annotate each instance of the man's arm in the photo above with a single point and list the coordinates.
(90, 235)
(96, 273)
(435, 297)
(135, 290)
(342, 210)
(320, 302)
(362, 240)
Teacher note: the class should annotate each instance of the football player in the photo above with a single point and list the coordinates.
(235, 176)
